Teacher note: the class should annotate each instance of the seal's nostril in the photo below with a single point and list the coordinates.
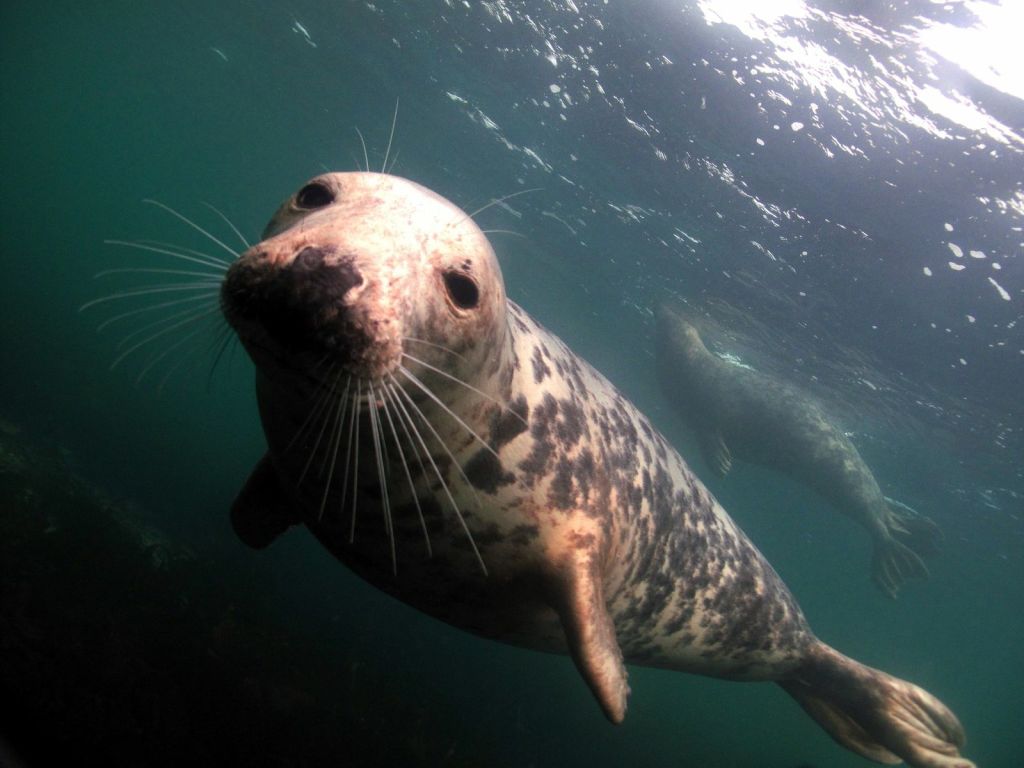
(348, 277)
(309, 258)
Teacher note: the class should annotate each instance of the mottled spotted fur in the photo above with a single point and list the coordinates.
(466, 461)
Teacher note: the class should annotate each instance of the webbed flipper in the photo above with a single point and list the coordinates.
(716, 452)
(263, 510)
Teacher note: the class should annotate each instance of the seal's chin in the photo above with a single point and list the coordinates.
(324, 363)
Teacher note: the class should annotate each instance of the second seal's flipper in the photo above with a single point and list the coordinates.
(912, 528)
(878, 716)
(900, 555)
(262, 510)
(892, 563)
(716, 452)
(591, 636)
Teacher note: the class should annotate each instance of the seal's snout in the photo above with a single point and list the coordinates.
(309, 299)
(309, 257)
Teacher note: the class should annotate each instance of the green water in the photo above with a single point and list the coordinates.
(107, 104)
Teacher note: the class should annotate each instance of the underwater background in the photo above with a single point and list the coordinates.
(837, 188)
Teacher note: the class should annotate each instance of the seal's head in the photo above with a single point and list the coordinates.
(352, 266)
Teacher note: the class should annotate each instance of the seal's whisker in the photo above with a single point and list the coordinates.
(419, 412)
(224, 339)
(394, 161)
(377, 429)
(320, 434)
(162, 305)
(437, 472)
(187, 220)
(336, 435)
(353, 425)
(190, 312)
(436, 346)
(137, 270)
(163, 332)
(355, 460)
(186, 357)
(155, 360)
(366, 156)
(387, 152)
(405, 464)
(314, 412)
(177, 249)
(495, 201)
(470, 387)
(165, 249)
(502, 232)
(412, 377)
(229, 223)
(209, 286)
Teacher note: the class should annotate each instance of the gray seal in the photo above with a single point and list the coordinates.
(456, 455)
(739, 413)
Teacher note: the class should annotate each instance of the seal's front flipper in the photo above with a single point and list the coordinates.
(261, 512)
(591, 636)
(716, 452)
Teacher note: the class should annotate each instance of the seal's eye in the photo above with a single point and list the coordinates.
(461, 290)
(314, 195)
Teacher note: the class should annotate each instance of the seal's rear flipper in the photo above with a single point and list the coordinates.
(909, 538)
(716, 451)
(918, 532)
(591, 636)
(878, 716)
(261, 512)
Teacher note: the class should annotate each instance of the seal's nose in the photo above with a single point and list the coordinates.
(338, 279)
(309, 257)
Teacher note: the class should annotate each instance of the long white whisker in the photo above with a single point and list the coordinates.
(157, 335)
(320, 434)
(458, 513)
(483, 208)
(436, 346)
(190, 311)
(366, 156)
(502, 232)
(394, 161)
(192, 224)
(149, 366)
(355, 462)
(314, 412)
(137, 270)
(470, 387)
(181, 249)
(334, 453)
(426, 390)
(437, 436)
(388, 396)
(164, 249)
(221, 345)
(163, 305)
(376, 428)
(387, 152)
(193, 355)
(353, 427)
(230, 224)
(207, 286)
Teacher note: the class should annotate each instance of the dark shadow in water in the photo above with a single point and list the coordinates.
(119, 647)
